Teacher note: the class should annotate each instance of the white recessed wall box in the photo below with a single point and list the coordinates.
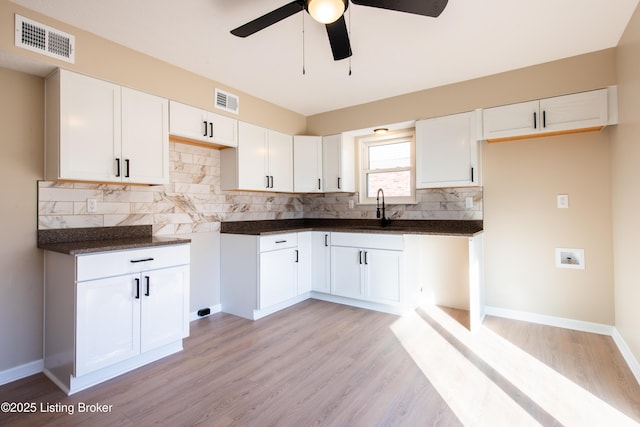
(570, 258)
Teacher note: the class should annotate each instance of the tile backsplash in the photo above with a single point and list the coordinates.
(193, 202)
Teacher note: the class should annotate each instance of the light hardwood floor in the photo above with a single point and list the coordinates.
(319, 363)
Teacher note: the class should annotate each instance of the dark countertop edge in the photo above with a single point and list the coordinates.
(96, 246)
(67, 235)
(463, 228)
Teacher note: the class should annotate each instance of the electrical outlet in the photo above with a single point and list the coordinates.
(92, 205)
(351, 204)
(468, 202)
(269, 205)
(563, 201)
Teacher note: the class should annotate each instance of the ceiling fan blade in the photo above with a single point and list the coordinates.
(268, 19)
(431, 8)
(339, 39)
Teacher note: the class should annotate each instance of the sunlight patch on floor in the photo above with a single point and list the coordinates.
(473, 397)
(474, 401)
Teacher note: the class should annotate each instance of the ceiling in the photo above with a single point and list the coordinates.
(393, 53)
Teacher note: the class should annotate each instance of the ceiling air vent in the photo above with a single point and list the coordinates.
(37, 37)
(227, 101)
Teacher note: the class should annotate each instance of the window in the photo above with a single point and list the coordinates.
(387, 162)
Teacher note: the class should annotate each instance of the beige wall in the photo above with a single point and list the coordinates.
(625, 183)
(21, 165)
(523, 226)
(100, 58)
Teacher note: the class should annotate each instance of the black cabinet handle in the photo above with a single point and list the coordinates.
(137, 288)
(472, 175)
(544, 119)
(271, 181)
(205, 128)
(535, 120)
(133, 261)
(117, 167)
(297, 255)
(339, 183)
(326, 240)
(360, 257)
(146, 278)
(281, 241)
(366, 261)
(126, 163)
(267, 181)
(210, 130)
(319, 183)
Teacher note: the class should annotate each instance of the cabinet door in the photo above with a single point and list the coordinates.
(305, 262)
(90, 128)
(108, 322)
(252, 157)
(278, 275)
(223, 130)
(511, 120)
(576, 111)
(188, 122)
(446, 151)
(145, 138)
(346, 269)
(164, 304)
(280, 161)
(321, 263)
(383, 275)
(307, 164)
(338, 167)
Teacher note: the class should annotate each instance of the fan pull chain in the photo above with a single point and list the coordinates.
(350, 41)
(303, 55)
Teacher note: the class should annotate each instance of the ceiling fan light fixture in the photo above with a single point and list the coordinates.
(326, 11)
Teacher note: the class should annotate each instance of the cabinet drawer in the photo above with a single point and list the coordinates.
(368, 240)
(278, 241)
(116, 263)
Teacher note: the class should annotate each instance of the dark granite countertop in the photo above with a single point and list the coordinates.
(77, 241)
(433, 227)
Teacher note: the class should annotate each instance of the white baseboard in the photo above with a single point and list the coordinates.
(22, 371)
(578, 325)
(558, 322)
(631, 360)
(214, 309)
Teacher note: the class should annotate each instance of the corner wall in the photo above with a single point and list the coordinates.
(21, 264)
(625, 181)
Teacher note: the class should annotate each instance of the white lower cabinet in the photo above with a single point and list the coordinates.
(370, 270)
(111, 312)
(320, 261)
(263, 274)
(278, 276)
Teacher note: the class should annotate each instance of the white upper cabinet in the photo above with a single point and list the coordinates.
(263, 161)
(99, 131)
(307, 164)
(145, 138)
(579, 111)
(280, 161)
(447, 151)
(202, 126)
(338, 164)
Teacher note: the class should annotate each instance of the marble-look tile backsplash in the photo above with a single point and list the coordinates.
(193, 202)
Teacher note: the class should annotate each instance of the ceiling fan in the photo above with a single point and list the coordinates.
(331, 13)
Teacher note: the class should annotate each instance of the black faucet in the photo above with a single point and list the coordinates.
(384, 221)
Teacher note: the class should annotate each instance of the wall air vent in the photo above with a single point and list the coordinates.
(37, 37)
(227, 101)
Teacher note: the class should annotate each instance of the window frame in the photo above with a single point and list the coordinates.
(366, 141)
